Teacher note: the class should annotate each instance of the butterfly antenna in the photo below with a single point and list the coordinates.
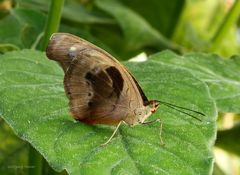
(177, 108)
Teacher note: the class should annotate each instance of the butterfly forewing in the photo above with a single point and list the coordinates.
(99, 88)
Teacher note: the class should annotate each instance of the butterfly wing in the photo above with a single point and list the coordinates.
(99, 88)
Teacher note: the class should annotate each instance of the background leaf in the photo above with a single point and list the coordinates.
(221, 76)
(130, 26)
(12, 152)
(105, 24)
(33, 103)
(74, 12)
(226, 139)
(20, 23)
(161, 15)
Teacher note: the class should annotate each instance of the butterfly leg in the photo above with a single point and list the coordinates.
(161, 126)
(114, 132)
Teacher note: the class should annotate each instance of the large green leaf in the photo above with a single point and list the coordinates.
(221, 75)
(33, 103)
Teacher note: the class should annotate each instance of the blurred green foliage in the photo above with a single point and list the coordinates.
(125, 28)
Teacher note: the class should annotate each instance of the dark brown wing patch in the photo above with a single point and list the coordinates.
(117, 80)
(100, 82)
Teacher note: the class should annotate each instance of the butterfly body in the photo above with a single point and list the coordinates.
(100, 90)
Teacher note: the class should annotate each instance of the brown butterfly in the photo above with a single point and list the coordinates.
(100, 89)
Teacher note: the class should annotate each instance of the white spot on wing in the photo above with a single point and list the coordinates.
(72, 49)
(72, 52)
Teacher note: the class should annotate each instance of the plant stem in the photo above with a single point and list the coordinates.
(53, 20)
(34, 162)
(226, 24)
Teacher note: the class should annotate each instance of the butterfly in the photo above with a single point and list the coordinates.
(99, 88)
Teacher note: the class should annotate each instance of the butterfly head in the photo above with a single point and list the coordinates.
(153, 105)
(144, 112)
